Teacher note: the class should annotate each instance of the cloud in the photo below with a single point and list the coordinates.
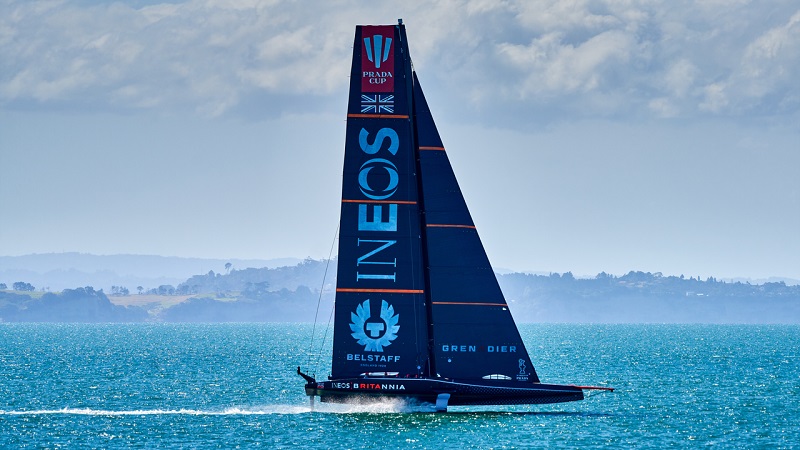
(769, 67)
(204, 55)
(579, 58)
(668, 59)
(551, 67)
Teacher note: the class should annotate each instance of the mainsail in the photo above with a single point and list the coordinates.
(380, 320)
(418, 310)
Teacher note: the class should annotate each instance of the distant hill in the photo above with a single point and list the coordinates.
(83, 305)
(638, 297)
(308, 273)
(240, 291)
(58, 271)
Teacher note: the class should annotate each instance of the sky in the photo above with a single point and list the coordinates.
(587, 136)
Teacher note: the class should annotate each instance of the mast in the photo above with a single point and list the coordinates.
(431, 363)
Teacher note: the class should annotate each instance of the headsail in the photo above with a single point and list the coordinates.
(474, 335)
(380, 322)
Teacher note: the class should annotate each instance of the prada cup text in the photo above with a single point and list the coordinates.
(376, 78)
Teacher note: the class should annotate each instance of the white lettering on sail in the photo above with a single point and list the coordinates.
(377, 224)
(386, 244)
(479, 348)
(391, 184)
(383, 133)
(372, 276)
(363, 260)
(384, 186)
(377, 78)
(459, 348)
(372, 358)
(501, 348)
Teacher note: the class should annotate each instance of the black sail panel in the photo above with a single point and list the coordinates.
(380, 318)
(474, 334)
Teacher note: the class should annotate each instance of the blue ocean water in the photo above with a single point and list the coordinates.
(234, 386)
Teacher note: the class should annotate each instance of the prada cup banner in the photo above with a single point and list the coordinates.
(377, 59)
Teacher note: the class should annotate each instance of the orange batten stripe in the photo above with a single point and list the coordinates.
(402, 202)
(441, 225)
(469, 303)
(382, 291)
(377, 116)
(441, 149)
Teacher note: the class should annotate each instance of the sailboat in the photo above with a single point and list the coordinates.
(419, 314)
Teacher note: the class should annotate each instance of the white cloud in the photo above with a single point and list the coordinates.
(679, 78)
(565, 15)
(553, 67)
(203, 55)
(663, 107)
(769, 67)
(715, 97)
(579, 57)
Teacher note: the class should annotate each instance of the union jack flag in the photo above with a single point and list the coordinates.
(377, 104)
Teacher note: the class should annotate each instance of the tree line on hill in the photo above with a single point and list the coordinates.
(647, 297)
(284, 294)
(82, 304)
(19, 286)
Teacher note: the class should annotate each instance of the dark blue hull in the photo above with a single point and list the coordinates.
(489, 392)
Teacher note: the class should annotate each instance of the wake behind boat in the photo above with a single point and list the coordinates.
(419, 314)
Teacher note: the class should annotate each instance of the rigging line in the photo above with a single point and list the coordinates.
(325, 336)
(382, 291)
(319, 300)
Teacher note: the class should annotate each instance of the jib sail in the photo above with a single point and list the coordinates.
(474, 335)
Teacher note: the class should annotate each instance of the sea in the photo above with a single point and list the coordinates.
(231, 386)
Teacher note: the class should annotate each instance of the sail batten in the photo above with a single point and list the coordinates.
(447, 225)
(385, 202)
(469, 303)
(382, 291)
